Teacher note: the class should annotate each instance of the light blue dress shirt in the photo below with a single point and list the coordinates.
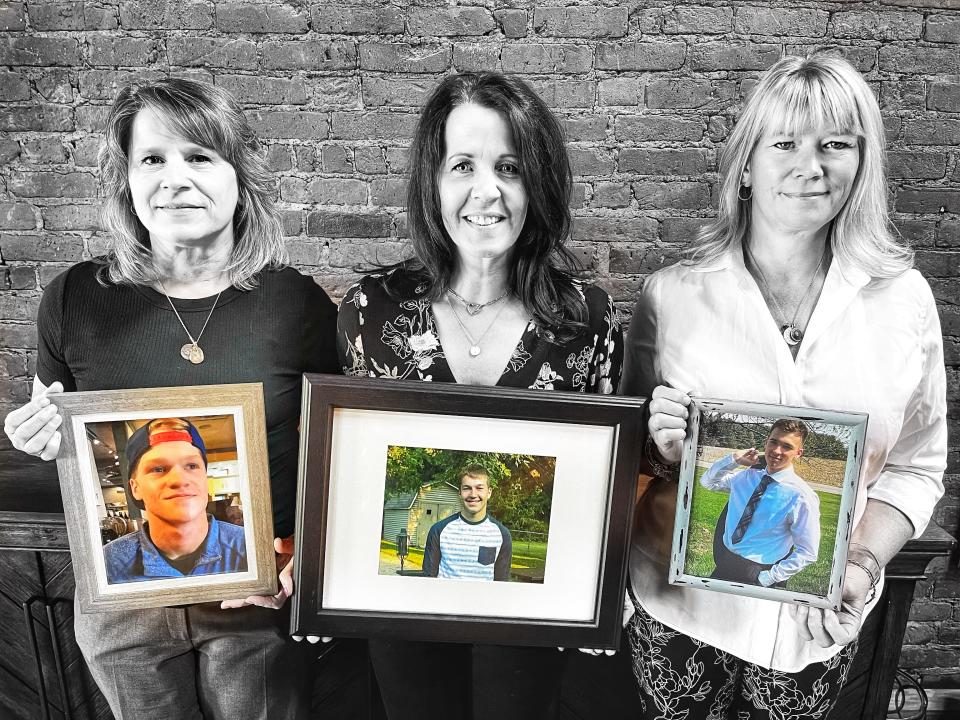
(785, 530)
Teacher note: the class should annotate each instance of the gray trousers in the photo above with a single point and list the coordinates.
(196, 662)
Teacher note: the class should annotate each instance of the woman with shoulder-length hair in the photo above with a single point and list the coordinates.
(187, 296)
(490, 296)
(797, 294)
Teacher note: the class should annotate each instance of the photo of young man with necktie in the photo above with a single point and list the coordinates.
(770, 527)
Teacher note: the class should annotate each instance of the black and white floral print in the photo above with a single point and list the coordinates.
(381, 336)
(682, 678)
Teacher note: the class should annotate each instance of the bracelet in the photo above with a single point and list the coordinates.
(873, 580)
(862, 557)
(660, 469)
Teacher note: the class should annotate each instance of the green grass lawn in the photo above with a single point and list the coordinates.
(706, 508)
(528, 561)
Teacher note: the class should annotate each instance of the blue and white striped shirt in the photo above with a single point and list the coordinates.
(458, 548)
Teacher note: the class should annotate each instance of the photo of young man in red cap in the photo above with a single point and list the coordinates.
(168, 481)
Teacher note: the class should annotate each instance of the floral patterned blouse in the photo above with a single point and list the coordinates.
(377, 336)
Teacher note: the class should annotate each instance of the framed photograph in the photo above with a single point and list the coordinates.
(166, 494)
(766, 499)
(442, 512)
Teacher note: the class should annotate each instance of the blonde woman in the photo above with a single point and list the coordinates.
(796, 294)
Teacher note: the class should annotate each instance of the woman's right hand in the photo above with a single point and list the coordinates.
(34, 428)
(668, 421)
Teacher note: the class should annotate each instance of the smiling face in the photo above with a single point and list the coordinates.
(475, 493)
(801, 180)
(781, 449)
(171, 481)
(483, 201)
(182, 192)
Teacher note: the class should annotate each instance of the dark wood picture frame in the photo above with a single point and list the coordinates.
(324, 395)
(245, 401)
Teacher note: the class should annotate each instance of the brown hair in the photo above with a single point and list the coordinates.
(791, 425)
(210, 117)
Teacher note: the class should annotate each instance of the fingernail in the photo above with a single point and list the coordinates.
(43, 401)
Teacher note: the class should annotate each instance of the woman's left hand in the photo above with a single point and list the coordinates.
(284, 548)
(830, 627)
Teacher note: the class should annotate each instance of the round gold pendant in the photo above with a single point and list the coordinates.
(474, 350)
(192, 352)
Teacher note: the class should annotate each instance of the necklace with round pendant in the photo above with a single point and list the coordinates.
(474, 350)
(792, 334)
(192, 352)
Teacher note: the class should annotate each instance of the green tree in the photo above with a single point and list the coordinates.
(522, 484)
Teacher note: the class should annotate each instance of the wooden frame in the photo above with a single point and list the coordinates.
(239, 410)
(347, 424)
(713, 430)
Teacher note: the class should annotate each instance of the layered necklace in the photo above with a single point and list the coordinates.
(191, 351)
(792, 334)
(474, 309)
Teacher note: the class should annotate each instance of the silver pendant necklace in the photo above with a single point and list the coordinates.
(473, 308)
(191, 351)
(475, 343)
(792, 334)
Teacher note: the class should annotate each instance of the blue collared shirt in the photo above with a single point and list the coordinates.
(134, 557)
(785, 529)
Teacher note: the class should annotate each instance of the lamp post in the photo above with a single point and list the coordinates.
(402, 551)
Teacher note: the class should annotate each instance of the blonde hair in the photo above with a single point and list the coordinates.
(793, 94)
(208, 116)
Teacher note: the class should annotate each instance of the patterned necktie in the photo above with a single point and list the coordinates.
(751, 508)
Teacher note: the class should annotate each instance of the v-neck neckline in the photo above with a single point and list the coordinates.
(747, 278)
(443, 351)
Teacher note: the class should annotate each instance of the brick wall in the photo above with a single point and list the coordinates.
(646, 91)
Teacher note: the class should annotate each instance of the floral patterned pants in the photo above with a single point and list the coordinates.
(683, 678)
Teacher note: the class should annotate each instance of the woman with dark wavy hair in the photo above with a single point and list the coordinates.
(187, 296)
(490, 296)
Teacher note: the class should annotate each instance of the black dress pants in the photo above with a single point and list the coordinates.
(450, 681)
(730, 566)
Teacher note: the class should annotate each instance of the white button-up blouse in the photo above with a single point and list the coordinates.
(871, 346)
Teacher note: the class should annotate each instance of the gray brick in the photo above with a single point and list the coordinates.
(404, 57)
(546, 58)
(234, 54)
(323, 223)
(166, 15)
(780, 21)
(261, 18)
(733, 56)
(641, 55)
(595, 22)
(354, 20)
(877, 25)
(663, 161)
(653, 128)
(39, 51)
(449, 21)
(698, 20)
(943, 28)
(293, 124)
(309, 55)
